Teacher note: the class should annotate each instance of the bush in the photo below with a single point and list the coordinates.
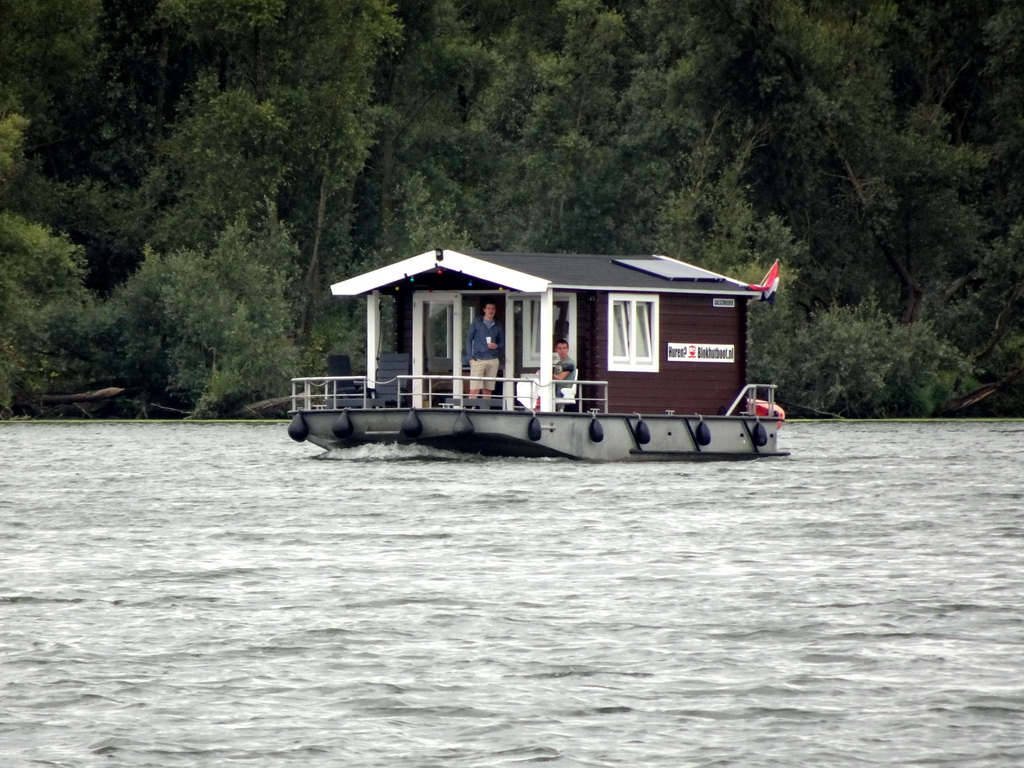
(853, 362)
(209, 330)
(40, 272)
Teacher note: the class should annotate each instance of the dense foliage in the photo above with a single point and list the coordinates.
(181, 179)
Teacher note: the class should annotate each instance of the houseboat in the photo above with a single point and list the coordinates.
(659, 349)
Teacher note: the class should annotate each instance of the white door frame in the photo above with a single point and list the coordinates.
(419, 299)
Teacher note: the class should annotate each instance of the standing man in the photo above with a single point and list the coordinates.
(485, 344)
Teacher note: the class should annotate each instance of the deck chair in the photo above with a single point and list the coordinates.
(566, 398)
(341, 365)
(343, 392)
(390, 365)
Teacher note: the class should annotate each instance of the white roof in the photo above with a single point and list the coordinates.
(451, 261)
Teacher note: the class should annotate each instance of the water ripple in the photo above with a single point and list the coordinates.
(187, 595)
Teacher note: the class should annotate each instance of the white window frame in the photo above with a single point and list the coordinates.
(624, 307)
(531, 332)
(531, 308)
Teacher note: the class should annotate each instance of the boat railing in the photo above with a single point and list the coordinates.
(321, 392)
(445, 391)
(596, 401)
(432, 390)
(746, 401)
(579, 395)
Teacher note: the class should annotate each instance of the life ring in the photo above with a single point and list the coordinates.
(761, 408)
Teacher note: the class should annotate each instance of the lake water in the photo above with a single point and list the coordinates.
(196, 595)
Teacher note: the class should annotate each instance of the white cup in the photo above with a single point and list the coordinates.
(488, 339)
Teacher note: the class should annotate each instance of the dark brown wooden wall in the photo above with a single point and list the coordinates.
(703, 388)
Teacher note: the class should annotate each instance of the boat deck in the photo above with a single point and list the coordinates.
(343, 411)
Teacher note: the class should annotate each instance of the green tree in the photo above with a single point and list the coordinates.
(40, 273)
(562, 186)
(282, 120)
(44, 54)
(206, 330)
(429, 147)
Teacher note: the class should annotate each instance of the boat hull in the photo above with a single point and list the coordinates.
(580, 436)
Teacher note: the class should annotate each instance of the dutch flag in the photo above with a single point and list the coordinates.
(769, 284)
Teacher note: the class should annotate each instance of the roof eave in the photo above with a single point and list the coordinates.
(715, 289)
(449, 260)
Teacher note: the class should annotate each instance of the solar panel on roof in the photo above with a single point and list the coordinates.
(669, 269)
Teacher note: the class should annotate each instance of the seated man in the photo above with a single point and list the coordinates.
(563, 370)
(565, 367)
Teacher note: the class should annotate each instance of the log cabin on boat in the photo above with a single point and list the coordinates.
(660, 348)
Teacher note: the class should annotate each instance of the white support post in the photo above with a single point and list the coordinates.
(418, 347)
(508, 388)
(372, 337)
(457, 338)
(547, 330)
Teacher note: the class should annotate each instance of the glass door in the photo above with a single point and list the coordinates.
(436, 316)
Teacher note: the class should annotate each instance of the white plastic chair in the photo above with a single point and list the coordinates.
(566, 396)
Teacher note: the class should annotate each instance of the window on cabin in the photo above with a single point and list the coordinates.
(632, 332)
(439, 328)
(526, 327)
(530, 333)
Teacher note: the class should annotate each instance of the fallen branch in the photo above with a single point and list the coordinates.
(978, 394)
(107, 393)
(169, 409)
(277, 406)
(793, 408)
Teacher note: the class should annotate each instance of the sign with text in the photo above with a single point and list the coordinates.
(723, 302)
(701, 353)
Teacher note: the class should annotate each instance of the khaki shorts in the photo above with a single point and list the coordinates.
(483, 368)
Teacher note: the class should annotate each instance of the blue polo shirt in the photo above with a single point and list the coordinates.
(476, 339)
